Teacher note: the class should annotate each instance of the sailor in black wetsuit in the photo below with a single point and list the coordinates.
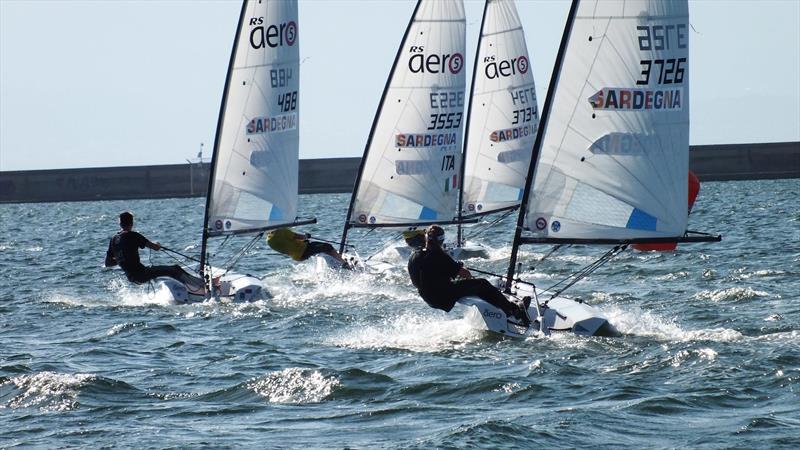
(432, 271)
(123, 249)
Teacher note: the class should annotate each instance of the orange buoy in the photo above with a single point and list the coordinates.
(694, 189)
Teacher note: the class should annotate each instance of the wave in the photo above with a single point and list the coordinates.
(746, 274)
(409, 331)
(634, 321)
(48, 391)
(732, 294)
(294, 386)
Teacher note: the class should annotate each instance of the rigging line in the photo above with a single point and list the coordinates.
(180, 254)
(328, 241)
(549, 254)
(490, 224)
(226, 263)
(383, 244)
(235, 259)
(582, 272)
(174, 258)
(579, 275)
(224, 241)
(502, 277)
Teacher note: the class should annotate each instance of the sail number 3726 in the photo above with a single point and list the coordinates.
(667, 37)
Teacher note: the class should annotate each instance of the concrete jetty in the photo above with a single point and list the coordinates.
(336, 175)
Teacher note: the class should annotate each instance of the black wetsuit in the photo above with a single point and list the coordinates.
(432, 270)
(123, 249)
(315, 248)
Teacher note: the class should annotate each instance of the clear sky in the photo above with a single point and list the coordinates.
(135, 82)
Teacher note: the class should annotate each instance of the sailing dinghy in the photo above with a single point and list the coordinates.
(254, 167)
(612, 153)
(411, 168)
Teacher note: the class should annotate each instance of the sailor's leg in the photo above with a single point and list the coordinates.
(482, 288)
(175, 272)
(315, 248)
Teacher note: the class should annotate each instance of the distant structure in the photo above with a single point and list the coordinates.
(335, 175)
(745, 161)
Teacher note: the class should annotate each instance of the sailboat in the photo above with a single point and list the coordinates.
(253, 186)
(502, 118)
(611, 155)
(411, 168)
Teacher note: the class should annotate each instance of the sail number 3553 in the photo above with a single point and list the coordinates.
(445, 121)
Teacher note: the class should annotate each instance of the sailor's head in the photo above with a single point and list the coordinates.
(126, 220)
(434, 235)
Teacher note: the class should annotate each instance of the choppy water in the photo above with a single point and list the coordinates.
(711, 355)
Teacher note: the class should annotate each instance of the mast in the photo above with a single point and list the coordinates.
(218, 138)
(551, 89)
(372, 130)
(466, 128)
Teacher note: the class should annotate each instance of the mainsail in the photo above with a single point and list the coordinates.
(614, 151)
(254, 170)
(503, 116)
(410, 171)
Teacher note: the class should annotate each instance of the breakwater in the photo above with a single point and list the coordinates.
(333, 175)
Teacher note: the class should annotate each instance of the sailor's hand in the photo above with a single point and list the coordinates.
(464, 273)
(156, 246)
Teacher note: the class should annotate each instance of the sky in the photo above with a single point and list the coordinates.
(139, 82)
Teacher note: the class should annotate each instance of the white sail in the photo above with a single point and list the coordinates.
(412, 163)
(256, 167)
(503, 115)
(614, 158)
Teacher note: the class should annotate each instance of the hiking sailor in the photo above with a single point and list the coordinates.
(123, 249)
(432, 272)
(299, 247)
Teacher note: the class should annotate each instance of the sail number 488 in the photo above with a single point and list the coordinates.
(288, 101)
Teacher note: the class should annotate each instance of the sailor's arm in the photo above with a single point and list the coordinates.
(144, 242)
(464, 273)
(110, 260)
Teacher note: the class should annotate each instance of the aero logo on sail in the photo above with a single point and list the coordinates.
(506, 67)
(434, 63)
(273, 35)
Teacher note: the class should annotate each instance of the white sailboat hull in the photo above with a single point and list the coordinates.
(400, 251)
(232, 288)
(325, 263)
(559, 314)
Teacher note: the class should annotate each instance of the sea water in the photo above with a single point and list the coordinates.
(710, 355)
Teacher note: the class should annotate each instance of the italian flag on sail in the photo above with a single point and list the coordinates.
(448, 183)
